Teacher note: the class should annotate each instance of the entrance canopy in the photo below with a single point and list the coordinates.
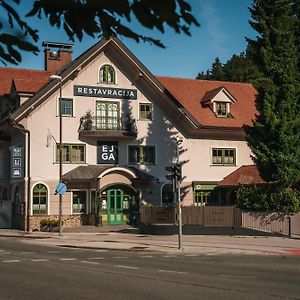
(87, 176)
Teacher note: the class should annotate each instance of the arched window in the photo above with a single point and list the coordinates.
(167, 194)
(107, 74)
(39, 199)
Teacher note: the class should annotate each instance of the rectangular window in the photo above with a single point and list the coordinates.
(141, 155)
(201, 197)
(66, 107)
(221, 109)
(79, 202)
(145, 111)
(223, 156)
(71, 153)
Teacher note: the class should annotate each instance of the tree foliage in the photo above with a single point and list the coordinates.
(266, 199)
(274, 137)
(101, 18)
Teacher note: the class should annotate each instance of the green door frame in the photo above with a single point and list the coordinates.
(115, 199)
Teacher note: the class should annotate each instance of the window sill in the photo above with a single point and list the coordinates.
(220, 165)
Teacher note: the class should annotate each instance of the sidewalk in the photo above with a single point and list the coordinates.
(134, 241)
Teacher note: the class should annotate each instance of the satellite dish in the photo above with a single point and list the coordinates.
(53, 54)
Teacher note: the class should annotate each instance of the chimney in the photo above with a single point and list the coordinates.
(57, 56)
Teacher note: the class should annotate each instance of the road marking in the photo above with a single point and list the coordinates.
(10, 261)
(101, 250)
(89, 262)
(191, 255)
(238, 276)
(68, 258)
(4, 252)
(120, 257)
(147, 256)
(127, 267)
(39, 259)
(54, 251)
(169, 256)
(27, 252)
(96, 258)
(170, 271)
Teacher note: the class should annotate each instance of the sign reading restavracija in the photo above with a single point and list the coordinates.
(104, 92)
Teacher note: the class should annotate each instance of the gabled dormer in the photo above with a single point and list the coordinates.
(220, 101)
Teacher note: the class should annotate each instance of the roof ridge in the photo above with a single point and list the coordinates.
(204, 80)
(23, 69)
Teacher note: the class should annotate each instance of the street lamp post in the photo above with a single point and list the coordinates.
(178, 142)
(60, 148)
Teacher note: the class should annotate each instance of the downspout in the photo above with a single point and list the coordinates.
(27, 172)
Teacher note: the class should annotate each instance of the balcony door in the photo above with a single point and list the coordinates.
(107, 115)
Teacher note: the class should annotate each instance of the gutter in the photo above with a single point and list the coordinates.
(27, 178)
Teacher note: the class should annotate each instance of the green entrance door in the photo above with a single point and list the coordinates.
(115, 206)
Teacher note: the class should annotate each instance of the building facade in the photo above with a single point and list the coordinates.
(121, 127)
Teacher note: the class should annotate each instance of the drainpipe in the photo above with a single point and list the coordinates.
(27, 171)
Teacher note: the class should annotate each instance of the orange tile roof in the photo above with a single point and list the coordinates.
(190, 92)
(245, 175)
(26, 81)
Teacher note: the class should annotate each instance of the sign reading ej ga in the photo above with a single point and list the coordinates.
(104, 92)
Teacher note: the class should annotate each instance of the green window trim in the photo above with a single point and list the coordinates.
(40, 199)
(224, 156)
(66, 107)
(141, 155)
(145, 111)
(72, 153)
(201, 197)
(107, 74)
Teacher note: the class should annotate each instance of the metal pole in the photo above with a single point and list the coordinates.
(179, 205)
(60, 155)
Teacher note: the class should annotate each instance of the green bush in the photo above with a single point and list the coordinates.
(49, 222)
(268, 199)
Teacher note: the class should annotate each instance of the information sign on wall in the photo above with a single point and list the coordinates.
(17, 162)
(107, 153)
(104, 92)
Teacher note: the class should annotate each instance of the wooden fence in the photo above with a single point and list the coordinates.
(271, 222)
(191, 215)
(223, 216)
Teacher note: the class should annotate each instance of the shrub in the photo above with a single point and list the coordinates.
(268, 199)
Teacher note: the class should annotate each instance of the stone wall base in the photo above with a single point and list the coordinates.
(68, 221)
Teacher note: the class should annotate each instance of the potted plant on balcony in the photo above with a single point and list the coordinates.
(87, 120)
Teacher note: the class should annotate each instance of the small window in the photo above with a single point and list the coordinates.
(39, 199)
(145, 111)
(141, 155)
(71, 153)
(223, 156)
(79, 202)
(107, 74)
(67, 107)
(201, 198)
(221, 109)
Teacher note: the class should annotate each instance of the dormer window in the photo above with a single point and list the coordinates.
(107, 74)
(220, 101)
(221, 109)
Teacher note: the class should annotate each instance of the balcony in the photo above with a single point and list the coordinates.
(107, 127)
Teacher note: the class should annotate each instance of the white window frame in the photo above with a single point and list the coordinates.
(48, 198)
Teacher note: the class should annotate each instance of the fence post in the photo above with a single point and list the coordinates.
(289, 226)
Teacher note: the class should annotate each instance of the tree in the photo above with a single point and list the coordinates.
(104, 18)
(239, 68)
(216, 71)
(275, 136)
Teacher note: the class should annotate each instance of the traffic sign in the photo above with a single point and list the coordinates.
(61, 188)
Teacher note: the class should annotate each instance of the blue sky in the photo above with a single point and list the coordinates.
(224, 26)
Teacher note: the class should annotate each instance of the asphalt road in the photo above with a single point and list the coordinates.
(29, 271)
